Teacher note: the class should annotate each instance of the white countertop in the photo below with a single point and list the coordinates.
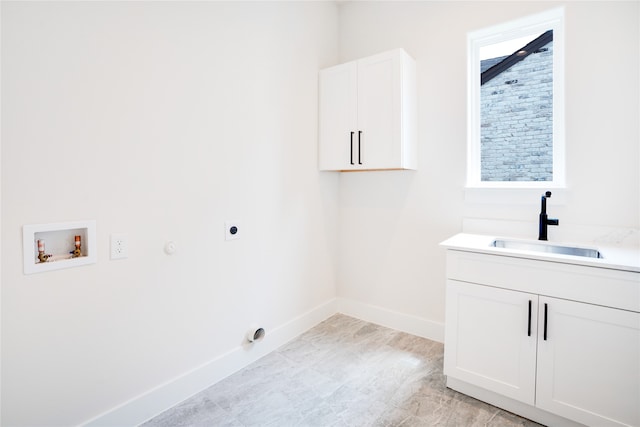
(617, 258)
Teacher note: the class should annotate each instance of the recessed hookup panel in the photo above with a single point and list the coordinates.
(59, 245)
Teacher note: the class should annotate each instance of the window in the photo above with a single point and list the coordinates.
(516, 104)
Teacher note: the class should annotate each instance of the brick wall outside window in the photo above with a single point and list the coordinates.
(516, 111)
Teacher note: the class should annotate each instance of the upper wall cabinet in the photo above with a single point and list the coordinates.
(368, 114)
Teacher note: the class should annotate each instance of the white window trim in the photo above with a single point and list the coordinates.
(552, 19)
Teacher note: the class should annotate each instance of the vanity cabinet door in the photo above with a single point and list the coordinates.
(589, 363)
(490, 339)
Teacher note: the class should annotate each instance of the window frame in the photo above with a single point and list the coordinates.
(538, 23)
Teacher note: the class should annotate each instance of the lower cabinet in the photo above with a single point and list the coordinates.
(576, 360)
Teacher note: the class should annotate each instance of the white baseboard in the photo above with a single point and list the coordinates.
(392, 319)
(164, 396)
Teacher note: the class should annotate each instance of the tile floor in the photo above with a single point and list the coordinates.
(343, 372)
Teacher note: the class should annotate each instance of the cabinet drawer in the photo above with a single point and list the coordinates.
(610, 288)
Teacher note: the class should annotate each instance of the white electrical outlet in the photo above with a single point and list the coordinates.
(232, 230)
(119, 246)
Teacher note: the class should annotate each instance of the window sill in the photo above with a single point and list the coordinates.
(513, 196)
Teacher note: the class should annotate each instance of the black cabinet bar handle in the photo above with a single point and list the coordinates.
(351, 150)
(529, 322)
(359, 150)
(545, 322)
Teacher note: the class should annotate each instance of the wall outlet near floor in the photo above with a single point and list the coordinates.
(119, 246)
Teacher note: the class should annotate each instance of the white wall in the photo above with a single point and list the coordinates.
(159, 120)
(391, 222)
(162, 120)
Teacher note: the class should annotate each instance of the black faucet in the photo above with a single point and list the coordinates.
(544, 219)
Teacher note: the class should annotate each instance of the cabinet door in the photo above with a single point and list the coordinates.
(338, 97)
(490, 339)
(589, 363)
(379, 111)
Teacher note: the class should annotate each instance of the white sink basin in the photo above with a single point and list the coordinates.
(546, 247)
